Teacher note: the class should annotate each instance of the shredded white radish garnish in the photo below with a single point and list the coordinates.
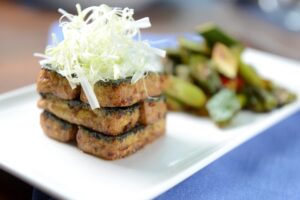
(101, 43)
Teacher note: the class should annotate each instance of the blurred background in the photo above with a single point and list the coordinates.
(269, 25)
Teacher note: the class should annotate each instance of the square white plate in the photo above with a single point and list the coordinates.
(190, 144)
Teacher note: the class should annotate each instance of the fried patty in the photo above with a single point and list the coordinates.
(152, 109)
(117, 93)
(115, 147)
(53, 83)
(123, 93)
(56, 128)
(110, 121)
(105, 120)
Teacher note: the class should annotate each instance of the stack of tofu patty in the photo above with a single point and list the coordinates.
(131, 114)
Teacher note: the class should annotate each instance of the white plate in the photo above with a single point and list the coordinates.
(190, 144)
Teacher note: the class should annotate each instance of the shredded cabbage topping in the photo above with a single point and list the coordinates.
(101, 44)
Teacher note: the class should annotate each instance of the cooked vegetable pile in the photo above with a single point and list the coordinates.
(211, 78)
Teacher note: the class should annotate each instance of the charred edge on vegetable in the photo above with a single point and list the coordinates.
(63, 124)
(109, 138)
(77, 104)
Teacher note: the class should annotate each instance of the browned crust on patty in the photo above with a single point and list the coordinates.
(124, 93)
(107, 121)
(116, 147)
(56, 128)
(52, 82)
(110, 121)
(152, 109)
(118, 93)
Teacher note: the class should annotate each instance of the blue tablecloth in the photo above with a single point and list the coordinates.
(266, 167)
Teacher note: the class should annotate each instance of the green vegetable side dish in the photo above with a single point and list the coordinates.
(185, 92)
(210, 78)
(223, 106)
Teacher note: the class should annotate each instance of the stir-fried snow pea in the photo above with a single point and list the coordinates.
(260, 100)
(174, 104)
(212, 34)
(223, 106)
(193, 46)
(183, 72)
(185, 92)
(250, 76)
(283, 96)
(205, 75)
(225, 61)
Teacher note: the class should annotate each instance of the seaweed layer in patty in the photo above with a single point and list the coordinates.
(56, 128)
(99, 144)
(117, 93)
(115, 147)
(52, 82)
(110, 121)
